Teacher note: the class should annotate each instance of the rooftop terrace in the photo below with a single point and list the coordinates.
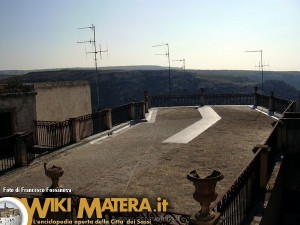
(135, 161)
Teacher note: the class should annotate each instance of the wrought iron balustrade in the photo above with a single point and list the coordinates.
(280, 105)
(174, 100)
(234, 204)
(98, 123)
(52, 134)
(195, 100)
(120, 114)
(263, 100)
(229, 99)
(236, 201)
(90, 124)
(7, 153)
(137, 110)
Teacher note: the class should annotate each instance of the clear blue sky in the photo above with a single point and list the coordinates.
(40, 34)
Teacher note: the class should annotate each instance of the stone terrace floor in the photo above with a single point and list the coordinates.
(135, 162)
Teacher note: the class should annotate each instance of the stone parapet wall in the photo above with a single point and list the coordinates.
(22, 108)
(59, 101)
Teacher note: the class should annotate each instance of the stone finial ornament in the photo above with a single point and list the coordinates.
(54, 173)
(205, 192)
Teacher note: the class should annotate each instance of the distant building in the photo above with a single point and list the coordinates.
(17, 109)
(51, 101)
(10, 216)
(59, 101)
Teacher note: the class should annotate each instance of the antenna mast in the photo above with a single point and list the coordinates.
(167, 54)
(183, 64)
(260, 66)
(93, 42)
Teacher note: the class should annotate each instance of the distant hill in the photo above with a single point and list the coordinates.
(114, 68)
(290, 77)
(122, 86)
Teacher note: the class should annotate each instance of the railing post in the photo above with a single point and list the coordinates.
(131, 111)
(143, 105)
(146, 100)
(255, 96)
(271, 102)
(21, 152)
(107, 119)
(264, 165)
(75, 136)
(202, 97)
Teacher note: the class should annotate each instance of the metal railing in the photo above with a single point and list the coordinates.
(138, 110)
(98, 122)
(280, 105)
(51, 134)
(263, 100)
(194, 100)
(11, 145)
(85, 125)
(277, 104)
(174, 100)
(43, 135)
(54, 135)
(229, 99)
(7, 153)
(235, 202)
(120, 114)
(90, 124)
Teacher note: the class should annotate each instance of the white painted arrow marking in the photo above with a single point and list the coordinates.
(209, 118)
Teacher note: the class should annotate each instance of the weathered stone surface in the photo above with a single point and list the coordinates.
(137, 163)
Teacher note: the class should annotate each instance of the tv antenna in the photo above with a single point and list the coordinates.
(261, 66)
(166, 54)
(93, 42)
(258, 65)
(183, 64)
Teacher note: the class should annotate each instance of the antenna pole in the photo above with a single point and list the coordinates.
(262, 68)
(262, 71)
(93, 28)
(167, 54)
(183, 64)
(169, 69)
(95, 50)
